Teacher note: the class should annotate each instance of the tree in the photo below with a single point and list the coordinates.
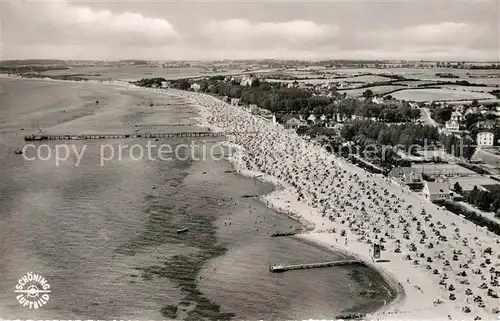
(475, 103)
(184, 84)
(235, 91)
(368, 93)
(255, 83)
(457, 188)
(384, 137)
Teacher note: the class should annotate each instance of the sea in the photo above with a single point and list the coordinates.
(105, 235)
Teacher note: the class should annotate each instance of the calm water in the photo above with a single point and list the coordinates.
(105, 236)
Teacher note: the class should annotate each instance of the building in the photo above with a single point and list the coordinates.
(407, 176)
(312, 118)
(487, 124)
(434, 191)
(247, 81)
(235, 101)
(253, 108)
(294, 122)
(337, 117)
(460, 108)
(338, 128)
(456, 116)
(195, 87)
(452, 125)
(485, 139)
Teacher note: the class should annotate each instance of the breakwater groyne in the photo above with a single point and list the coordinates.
(283, 268)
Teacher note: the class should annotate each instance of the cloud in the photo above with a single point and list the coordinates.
(243, 33)
(438, 34)
(93, 29)
(66, 23)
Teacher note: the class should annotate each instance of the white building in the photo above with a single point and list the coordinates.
(195, 87)
(434, 191)
(406, 176)
(312, 118)
(485, 139)
(235, 101)
(452, 125)
(246, 81)
(456, 116)
(294, 122)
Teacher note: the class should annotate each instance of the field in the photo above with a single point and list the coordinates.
(129, 72)
(314, 81)
(381, 90)
(471, 88)
(443, 169)
(366, 79)
(468, 183)
(351, 78)
(439, 95)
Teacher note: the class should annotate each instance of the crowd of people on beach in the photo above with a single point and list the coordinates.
(463, 258)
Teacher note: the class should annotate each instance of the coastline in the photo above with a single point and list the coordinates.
(415, 303)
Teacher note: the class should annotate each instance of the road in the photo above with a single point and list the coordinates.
(425, 117)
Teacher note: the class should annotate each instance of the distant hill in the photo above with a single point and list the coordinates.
(134, 61)
(31, 62)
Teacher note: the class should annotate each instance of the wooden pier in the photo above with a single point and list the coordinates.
(276, 268)
(123, 135)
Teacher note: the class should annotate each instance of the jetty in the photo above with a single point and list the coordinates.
(277, 268)
(291, 233)
(36, 137)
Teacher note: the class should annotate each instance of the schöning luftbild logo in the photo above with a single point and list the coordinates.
(33, 291)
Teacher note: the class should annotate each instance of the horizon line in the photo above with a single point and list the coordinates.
(261, 59)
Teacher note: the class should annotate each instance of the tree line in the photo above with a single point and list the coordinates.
(486, 200)
(406, 134)
(279, 98)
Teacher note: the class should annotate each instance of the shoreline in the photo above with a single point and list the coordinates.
(422, 288)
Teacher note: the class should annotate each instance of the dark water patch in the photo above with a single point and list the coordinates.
(184, 271)
(169, 311)
(177, 207)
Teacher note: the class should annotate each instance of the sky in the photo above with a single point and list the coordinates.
(236, 29)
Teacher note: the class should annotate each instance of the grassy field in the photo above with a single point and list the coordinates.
(129, 72)
(471, 88)
(366, 79)
(439, 95)
(443, 169)
(381, 90)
